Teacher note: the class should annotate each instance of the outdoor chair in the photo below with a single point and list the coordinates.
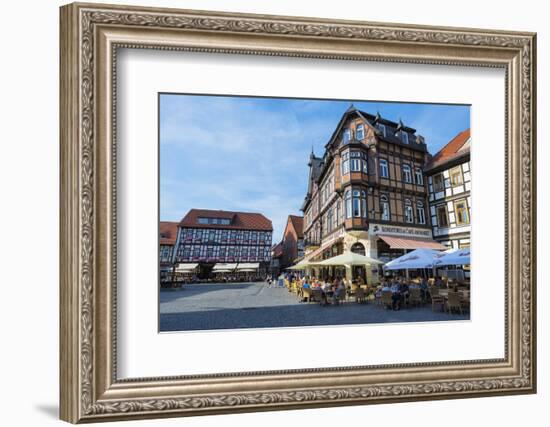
(360, 296)
(453, 302)
(341, 296)
(465, 301)
(387, 300)
(316, 295)
(415, 297)
(436, 298)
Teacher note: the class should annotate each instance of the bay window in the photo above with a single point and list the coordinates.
(356, 203)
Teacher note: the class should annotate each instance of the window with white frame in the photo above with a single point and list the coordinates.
(407, 175)
(385, 207)
(438, 182)
(360, 132)
(420, 213)
(359, 203)
(356, 203)
(408, 211)
(345, 163)
(348, 203)
(347, 136)
(442, 216)
(404, 137)
(456, 176)
(358, 161)
(384, 170)
(461, 212)
(419, 177)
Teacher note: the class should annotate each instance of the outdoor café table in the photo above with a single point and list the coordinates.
(444, 293)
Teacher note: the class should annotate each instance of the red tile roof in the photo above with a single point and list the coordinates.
(298, 224)
(239, 220)
(168, 232)
(454, 149)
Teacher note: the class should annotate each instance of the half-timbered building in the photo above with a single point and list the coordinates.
(167, 239)
(449, 183)
(208, 237)
(367, 192)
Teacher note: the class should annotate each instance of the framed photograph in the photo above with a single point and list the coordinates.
(267, 213)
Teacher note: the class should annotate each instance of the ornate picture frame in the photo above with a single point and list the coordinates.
(90, 37)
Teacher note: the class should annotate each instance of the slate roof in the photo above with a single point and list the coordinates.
(239, 220)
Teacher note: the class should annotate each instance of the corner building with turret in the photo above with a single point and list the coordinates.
(367, 194)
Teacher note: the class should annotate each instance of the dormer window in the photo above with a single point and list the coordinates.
(382, 128)
(404, 137)
(360, 132)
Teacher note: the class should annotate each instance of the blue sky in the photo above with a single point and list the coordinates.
(250, 154)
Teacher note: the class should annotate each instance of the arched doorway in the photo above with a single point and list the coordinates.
(359, 271)
(358, 248)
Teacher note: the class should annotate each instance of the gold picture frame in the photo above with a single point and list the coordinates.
(90, 36)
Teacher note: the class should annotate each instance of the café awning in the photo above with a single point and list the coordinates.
(248, 266)
(224, 267)
(186, 267)
(398, 242)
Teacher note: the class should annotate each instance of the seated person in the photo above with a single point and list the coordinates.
(339, 293)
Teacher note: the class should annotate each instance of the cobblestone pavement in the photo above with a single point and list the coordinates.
(256, 305)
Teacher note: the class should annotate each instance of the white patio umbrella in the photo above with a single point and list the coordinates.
(419, 258)
(302, 265)
(456, 257)
(350, 258)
